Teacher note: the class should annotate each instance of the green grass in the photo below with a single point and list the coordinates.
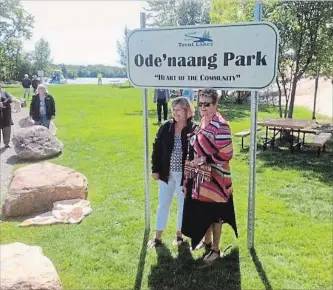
(101, 128)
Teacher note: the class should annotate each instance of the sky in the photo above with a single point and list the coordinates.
(82, 32)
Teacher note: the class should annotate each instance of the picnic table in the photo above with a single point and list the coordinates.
(286, 124)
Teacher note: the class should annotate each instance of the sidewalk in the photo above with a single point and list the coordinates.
(8, 157)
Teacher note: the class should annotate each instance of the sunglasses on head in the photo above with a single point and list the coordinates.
(200, 104)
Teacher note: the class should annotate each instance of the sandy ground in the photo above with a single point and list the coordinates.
(305, 92)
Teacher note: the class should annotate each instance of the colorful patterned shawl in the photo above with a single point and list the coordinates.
(215, 143)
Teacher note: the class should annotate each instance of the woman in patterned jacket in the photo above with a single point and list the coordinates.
(168, 158)
(209, 200)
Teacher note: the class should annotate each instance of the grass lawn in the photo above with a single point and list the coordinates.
(101, 128)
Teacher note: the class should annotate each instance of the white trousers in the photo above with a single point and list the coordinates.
(166, 191)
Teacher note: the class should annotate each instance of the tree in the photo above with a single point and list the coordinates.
(192, 12)
(299, 24)
(122, 48)
(24, 66)
(162, 12)
(178, 12)
(224, 11)
(322, 65)
(233, 12)
(15, 25)
(42, 56)
(64, 70)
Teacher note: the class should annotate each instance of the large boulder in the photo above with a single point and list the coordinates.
(34, 188)
(26, 267)
(36, 143)
(28, 122)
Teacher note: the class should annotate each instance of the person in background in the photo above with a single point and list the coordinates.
(188, 93)
(209, 201)
(99, 77)
(161, 98)
(5, 117)
(168, 158)
(34, 83)
(26, 83)
(42, 107)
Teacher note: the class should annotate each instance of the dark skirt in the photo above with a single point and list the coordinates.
(198, 216)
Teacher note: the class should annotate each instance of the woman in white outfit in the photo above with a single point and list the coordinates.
(168, 159)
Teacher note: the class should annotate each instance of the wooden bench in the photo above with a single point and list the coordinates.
(320, 141)
(243, 134)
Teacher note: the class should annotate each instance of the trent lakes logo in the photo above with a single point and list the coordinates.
(196, 39)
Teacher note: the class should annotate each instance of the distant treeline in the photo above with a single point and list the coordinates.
(90, 71)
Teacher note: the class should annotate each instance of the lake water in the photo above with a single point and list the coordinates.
(106, 81)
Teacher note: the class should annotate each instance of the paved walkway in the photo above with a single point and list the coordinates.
(8, 157)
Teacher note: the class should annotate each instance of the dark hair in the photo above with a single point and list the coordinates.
(211, 94)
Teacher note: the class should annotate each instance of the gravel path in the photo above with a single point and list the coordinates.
(8, 157)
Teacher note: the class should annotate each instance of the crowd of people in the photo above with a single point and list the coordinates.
(42, 107)
(28, 83)
(191, 162)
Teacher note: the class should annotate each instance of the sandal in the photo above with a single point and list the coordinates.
(205, 245)
(154, 243)
(178, 241)
(211, 257)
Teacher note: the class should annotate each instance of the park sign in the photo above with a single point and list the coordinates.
(236, 56)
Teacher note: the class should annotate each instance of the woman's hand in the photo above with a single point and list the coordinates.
(155, 176)
(194, 162)
(197, 161)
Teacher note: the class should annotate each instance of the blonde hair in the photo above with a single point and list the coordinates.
(186, 104)
(41, 86)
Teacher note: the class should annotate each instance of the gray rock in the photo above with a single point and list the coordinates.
(36, 143)
(28, 122)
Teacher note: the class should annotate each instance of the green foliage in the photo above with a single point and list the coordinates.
(192, 12)
(42, 56)
(162, 13)
(122, 48)
(15, 26)
(232, 11)
(178, 12)
(322, 64)
(15, 22)
(300, 24)
(91, 71)
(64, 70)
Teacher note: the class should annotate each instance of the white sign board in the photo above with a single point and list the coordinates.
(235, 56)
(40, 73)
